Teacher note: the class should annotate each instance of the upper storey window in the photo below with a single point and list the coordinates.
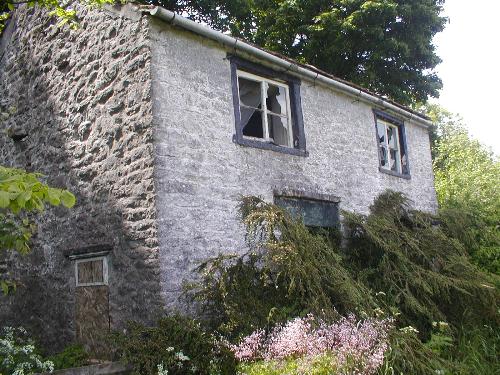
(393, 156)
(267, 109)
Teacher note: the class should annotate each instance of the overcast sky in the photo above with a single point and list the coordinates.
(470, 50)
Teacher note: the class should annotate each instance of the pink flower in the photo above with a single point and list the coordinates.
(358, 346)
(251, 347)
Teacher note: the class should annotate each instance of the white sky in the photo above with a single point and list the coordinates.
(470, 49)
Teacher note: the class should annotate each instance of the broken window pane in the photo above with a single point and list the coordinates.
(278, 129)
(395, 160)
(381, 133)
(276, 99)
(264, 109)
(404, 164)
(250, 93)
(251, 120)
(383, 156)
(392, 137)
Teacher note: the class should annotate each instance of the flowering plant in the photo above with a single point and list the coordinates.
(18, 355)
(352, 346)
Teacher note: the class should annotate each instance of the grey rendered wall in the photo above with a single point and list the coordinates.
(200, 173)
(82, 97)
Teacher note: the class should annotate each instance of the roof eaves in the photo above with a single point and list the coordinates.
(304, 70)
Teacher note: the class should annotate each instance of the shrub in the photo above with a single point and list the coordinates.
(72, 356)
(309, 345)
(424, 272)
(177, 345)
(421, 263)
(478, 234)
(408, 355)
(18, 354)
(288, 271)
(476, 350)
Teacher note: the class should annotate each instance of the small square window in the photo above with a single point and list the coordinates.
(391, 143)
(267, 109)
(91, 271)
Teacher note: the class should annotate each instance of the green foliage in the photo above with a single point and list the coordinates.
(72, 356)
(441, 339)
(177, 344)
(18, 354)
(420, 270)
(61, 9)
(476, 350)
(467, 176)
(383, 45)
(408, 355)
(22, 193)
(423, 272)
(471, 350)
(477, 233)
(289, 271)
(323, 364)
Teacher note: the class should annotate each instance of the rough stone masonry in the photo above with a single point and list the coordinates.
(82, 116)
(135, 116)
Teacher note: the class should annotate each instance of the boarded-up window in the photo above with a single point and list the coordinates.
(314, 213)
(92, 271)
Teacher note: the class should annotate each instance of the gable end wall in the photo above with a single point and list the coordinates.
(83, 99)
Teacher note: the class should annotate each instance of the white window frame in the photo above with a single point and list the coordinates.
(104, 270)
(386, 145)
(264, 82)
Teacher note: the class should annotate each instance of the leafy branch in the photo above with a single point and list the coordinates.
(60, 9)
(23, 193)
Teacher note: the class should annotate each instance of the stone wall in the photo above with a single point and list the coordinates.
(81, 100)
(201, 173)
(136, 118)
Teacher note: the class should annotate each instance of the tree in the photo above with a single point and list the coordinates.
(467, 177)
(383, 45)
(21, 194)
(59, 8)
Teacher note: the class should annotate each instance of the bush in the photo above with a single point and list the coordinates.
(408, 355)
(288, 271)
(424, 272)
(312, 346)
(72, 356)
(476, 350)
(477, 233)
(177, 344)
(395, 259)
(18, 355)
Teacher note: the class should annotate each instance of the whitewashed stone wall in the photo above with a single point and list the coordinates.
(200, 173)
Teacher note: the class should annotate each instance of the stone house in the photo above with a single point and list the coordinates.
(159, 125)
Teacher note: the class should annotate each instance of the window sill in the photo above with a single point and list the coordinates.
(269, 146)
(395, 174)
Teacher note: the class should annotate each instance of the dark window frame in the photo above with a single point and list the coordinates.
(378, 114)
(295, 107)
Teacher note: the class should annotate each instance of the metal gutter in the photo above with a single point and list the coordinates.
(290, 67)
